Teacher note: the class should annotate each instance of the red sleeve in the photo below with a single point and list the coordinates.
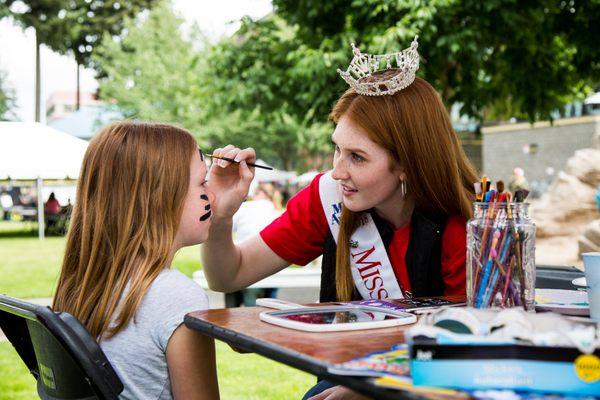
(298, 235)
(454, 255)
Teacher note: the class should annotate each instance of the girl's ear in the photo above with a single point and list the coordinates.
(401, 172)
(402, 177)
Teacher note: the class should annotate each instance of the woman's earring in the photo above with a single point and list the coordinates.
(403, 188)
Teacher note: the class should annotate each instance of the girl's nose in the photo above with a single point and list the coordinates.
(340, 172)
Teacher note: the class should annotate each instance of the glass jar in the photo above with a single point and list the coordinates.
(501, 256)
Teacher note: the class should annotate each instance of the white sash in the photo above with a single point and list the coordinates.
(371, 268)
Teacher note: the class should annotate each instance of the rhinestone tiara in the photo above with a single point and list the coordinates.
(365, 65)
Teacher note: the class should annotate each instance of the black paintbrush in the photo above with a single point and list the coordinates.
(237, 162)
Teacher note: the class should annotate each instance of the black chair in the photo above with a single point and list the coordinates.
(63, 357)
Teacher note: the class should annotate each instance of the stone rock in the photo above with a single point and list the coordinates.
(585, 166)
(590, 240)
(567, 206)
(596, 137)
(585, 246)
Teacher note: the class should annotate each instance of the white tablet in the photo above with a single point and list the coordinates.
(337, 318)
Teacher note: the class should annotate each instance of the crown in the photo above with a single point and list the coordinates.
(361, 73)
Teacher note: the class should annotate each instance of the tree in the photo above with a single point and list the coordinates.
(42, 15)
(4, 11)
(227, 93)
(88, 21)
(152, 72)
(7, 99)
(533, 56)
(264, 89)
(72, 27)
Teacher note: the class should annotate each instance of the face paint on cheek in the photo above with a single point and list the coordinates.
(205, 216)
(206, 207)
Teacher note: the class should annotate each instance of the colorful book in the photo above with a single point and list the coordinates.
(389, 362)
(414, 305)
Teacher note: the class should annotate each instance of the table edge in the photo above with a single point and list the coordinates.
(295, 359)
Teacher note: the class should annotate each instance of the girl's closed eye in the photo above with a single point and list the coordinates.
(357, 158)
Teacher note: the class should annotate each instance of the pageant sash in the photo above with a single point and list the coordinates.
(371, 268)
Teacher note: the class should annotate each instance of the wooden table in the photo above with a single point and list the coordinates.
(308, 351)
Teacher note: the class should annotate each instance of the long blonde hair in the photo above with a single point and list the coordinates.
(131, 189)
(414, 127)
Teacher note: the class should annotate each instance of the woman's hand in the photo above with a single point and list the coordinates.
(339, 393)
(229, 181)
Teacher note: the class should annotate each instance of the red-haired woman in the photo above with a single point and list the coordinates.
(389, 219)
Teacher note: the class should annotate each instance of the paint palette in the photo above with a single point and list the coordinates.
(569, 302)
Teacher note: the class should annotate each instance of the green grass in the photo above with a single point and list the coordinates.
(241, 376)
(16, 383)
(249, 376)
(29, 269)
(12, 229)
(187, 260)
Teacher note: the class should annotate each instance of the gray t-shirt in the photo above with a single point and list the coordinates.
(138, 352)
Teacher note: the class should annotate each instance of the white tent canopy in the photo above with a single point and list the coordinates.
(273, 175)
(265, 175)
(30, 150)
(593, 99)
(33, 151)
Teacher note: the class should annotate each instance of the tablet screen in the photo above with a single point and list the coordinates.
(338, 317)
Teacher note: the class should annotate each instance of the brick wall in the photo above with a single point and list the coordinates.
(535, 148)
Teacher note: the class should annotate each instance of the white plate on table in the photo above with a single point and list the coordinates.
(569, 302)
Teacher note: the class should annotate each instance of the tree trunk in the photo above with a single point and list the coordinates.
(78, 89)
(38, 82)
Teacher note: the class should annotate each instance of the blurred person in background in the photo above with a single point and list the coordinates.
(518, 181)
(254, 215)
(52, 206)
(51, 213)
(6, 203)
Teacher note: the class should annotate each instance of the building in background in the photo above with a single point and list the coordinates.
(63, 102)
(61, 113)
(541, 150)
(592, 104)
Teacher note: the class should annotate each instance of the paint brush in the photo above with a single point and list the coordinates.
(231, 160)
(500, 186)
(477, 186)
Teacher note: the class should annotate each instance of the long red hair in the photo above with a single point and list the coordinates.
(414, 126)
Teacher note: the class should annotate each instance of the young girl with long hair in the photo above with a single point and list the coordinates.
(389, 219)
(141, 196)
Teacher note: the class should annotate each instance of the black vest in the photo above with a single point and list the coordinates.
(423, 257)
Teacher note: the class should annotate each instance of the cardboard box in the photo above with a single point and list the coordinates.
(502, 366)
